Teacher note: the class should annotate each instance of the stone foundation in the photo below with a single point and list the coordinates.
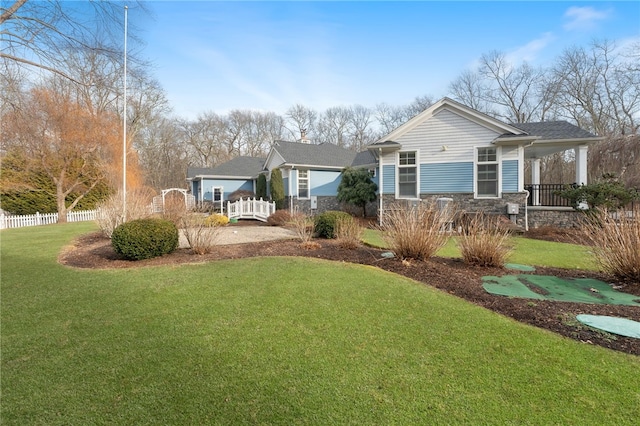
(559, 217)
(466, 203)
(326, 203)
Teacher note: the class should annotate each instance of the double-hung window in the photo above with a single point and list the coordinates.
(303, 183)
(487, 172)
(407, 175)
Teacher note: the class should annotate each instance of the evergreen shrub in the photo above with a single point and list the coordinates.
(145, 238)
(325, 223)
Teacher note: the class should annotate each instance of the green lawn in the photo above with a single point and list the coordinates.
(279, 341)
(526, 251)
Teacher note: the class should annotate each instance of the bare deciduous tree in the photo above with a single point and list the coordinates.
(163, 154)
(334, 126)
(362, 129)
(301, 120)
(61, 139)
(41, 33)
(513, 88)
(390, 117)
(599, 88)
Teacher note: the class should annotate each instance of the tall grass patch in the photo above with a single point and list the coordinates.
(415, 232)
(201, 234)
(303, 227)
(484, 242)
(348, 233)
(615, 238)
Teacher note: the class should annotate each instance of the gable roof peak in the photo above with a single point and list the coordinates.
(457, 108)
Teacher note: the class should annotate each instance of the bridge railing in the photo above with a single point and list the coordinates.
(250, 208)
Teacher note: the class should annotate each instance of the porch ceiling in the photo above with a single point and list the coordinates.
(544, 148)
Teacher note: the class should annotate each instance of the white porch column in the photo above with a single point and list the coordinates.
(535, 180)
(581, 164)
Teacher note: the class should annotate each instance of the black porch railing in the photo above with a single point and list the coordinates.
(546, 195)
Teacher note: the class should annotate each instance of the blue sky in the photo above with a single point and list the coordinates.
(218, 56)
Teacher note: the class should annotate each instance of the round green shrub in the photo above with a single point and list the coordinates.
(145, 238)
(325, 223)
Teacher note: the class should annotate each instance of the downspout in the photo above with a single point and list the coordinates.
(380, 189)
(290, 194)
(526, 201)
(526, 216)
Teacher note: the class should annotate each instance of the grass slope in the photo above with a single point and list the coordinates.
(279, 341)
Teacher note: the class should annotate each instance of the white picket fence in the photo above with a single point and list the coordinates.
(251, 209)
(45, 219)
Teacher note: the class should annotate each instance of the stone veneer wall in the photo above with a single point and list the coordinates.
(326, 203)
(466, 202)
(559, 217)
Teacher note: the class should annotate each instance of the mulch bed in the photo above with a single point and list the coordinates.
(450, 275)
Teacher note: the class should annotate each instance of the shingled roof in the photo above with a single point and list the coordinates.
(364, 158)
(322, 155)
(554, 130)
(239, 167)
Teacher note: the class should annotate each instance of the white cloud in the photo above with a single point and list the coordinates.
(584, 18)
(530, 51)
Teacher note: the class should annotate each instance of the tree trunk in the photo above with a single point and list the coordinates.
(61, 202)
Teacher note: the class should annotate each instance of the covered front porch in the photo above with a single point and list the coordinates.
(545, 139)
(547, 194)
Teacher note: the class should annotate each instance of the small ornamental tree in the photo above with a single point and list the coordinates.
(261, 187)
(357, 188)
(277, 188)
(609, 193)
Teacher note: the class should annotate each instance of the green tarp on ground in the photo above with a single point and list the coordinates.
(544, 287)
(518, 267)
(616, 325)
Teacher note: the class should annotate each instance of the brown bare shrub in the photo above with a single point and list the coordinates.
(348, 233)
(615, 237)
(303, 226)
(484, 242)
(110, 212)
(200, 235)
(174, 208)
(415, 232)
(279, 218)
(311, 245)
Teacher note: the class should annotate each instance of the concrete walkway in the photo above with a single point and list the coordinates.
(244, 234)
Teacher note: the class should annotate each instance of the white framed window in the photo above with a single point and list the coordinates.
(218, 194)
(487, 172)
(407, 175)
(303, 183)
(218, 197)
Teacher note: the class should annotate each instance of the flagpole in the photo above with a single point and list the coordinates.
(124, 114)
